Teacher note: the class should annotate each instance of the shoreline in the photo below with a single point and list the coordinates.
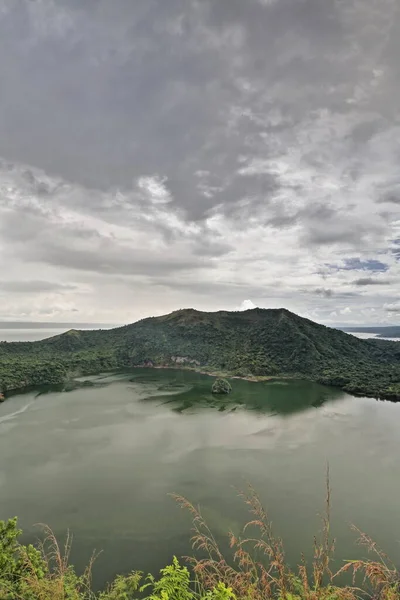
(388, 397)
(251, 378)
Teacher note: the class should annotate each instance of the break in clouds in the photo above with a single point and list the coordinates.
(195, 153)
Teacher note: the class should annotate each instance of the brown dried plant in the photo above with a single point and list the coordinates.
(59, 581)
(258, 570)
(381, 575)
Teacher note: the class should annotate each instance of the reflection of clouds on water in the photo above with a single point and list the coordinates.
(9, 420)
(3, 479)
(12, 415)
(125, 444)
(71, 421)
(334, 415)
(349, 417)
(5, 427)
(266, 431)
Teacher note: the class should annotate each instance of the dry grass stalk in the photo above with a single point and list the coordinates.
(59, 581)
(381, 575)
(259, 570)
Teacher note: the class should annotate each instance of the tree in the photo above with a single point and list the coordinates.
(221, 386)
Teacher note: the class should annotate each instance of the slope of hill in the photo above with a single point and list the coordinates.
(258, 342)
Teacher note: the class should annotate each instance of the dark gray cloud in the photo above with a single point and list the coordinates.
(175, 87)
(391, 195)
(370, 281)
(392, 308)
(244, 145)
(338, 294)
(324, 292)
(76, 246)
(112, 260)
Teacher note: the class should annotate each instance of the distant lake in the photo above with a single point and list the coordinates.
(31, 332)
(370, 336)
(101, 462)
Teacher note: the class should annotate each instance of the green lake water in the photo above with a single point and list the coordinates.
(101, 461)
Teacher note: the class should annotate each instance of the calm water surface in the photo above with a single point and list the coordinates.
(32, 332)
(101, 461)
(29, 335)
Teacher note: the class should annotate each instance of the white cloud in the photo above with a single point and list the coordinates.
(238, 172)
(268, 2)
(246, 305)
(155, 189)
(392, 308)
(128, 258)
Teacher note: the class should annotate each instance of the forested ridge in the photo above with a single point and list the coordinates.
(258, 342)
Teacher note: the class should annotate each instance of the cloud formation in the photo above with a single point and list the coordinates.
(160, 155)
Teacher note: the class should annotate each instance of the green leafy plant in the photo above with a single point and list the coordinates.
(18, 563)
(257, 570)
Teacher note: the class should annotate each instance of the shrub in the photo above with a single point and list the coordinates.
(258, 570)
(221, 386)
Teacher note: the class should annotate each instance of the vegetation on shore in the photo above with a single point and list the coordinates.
(255, 570)
(254, 343)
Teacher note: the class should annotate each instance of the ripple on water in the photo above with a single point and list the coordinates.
(102, 461)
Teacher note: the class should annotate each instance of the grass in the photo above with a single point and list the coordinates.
(259, 570)
(256, 569)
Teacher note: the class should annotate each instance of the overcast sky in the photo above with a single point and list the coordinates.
(215, 154)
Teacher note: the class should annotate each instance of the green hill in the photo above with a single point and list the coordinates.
(258, 342)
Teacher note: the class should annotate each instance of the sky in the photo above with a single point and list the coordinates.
(214, 154)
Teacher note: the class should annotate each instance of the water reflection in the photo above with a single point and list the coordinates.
(102, 458)
(188, 391)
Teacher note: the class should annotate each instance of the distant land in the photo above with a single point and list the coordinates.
(380, 331)
(52, 325)
(253, 344)
(388, 331)
(31, 331)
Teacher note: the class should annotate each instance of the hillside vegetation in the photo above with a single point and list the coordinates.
(258, 342)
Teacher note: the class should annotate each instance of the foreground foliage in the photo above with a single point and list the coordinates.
(255, 343)
(27, 573)
(256, 570)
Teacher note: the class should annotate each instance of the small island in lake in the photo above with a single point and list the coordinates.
(221, 386)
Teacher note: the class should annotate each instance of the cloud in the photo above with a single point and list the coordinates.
(155, 189)
(157, 157)
(391, 197)
(392, 308)
(246, 305)
(324, 292)
(370, 281)
(24, 287)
